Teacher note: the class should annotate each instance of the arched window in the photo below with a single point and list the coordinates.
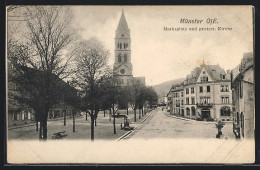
(187, 111)
(225, 111)
(125, 58)
(120, 45)
(193, 111)
(119, 58)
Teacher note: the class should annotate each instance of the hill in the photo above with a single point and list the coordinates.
(165, 86)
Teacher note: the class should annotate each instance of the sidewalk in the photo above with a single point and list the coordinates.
(187, 119)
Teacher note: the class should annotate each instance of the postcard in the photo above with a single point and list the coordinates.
(130, 84)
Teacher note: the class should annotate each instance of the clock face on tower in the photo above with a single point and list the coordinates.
(122, 71)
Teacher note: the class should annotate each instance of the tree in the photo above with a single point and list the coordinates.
(91, 60)
(134, 95)
(38, 65)
(152, 96)
(72, 100)
(111, 93)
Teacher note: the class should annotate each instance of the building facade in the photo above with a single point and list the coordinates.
(243, 98)
(123, 68)
(205, 94)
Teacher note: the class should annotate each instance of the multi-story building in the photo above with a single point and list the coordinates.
(204, 94)
(243, 97)
(177, 101)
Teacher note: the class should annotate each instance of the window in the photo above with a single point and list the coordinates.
(177, 103)
(225, 111)
(119, 58)
(224, 100)
(181, 94)
(192, 100)
(181, 102)
(187, 100)
(205, 100)
(187, 91)
(208, 88)
(192, 90)
(25, 115)
(204, 78)
(201, 89)
(125, 45)
(22, 115)
(223, 77)
(125, 58)
(15, 116)
(120, 45)
(224, 88)
(188, 111)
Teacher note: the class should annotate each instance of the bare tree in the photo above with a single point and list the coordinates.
(91, 60)
(38, 64)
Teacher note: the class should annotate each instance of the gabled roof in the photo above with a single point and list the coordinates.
(122, 25)
(214, 71)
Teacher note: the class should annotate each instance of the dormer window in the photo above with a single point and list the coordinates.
(223, 77)
(204, 79)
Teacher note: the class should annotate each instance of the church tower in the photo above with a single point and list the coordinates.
(122, 65)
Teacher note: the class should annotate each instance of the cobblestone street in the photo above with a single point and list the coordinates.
(161, 125)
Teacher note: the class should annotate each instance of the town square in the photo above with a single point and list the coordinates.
(124, 74)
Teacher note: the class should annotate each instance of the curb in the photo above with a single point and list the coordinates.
(145, 118)
(128, 133)
(194, 120)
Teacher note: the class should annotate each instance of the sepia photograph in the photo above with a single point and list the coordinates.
(130, 84)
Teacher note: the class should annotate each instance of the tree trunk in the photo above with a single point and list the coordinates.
(110, 114)
(95, 121)
(127, 110)
(142, 111)
(73, 115)
(139, 114)
(104, 113)
(92, 125)
(114, 120)
(37, 126)
(135, 114)
(86, 115)
(40, 132)
(64, 114)
(44, 130)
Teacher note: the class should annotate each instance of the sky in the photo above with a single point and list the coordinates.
(166, 55)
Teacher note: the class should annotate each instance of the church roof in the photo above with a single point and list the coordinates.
(122, 25)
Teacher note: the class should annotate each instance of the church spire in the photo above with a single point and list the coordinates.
(122, 25)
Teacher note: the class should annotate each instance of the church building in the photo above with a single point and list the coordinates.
(122, 65)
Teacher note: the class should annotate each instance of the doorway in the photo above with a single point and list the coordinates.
(205, 114)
